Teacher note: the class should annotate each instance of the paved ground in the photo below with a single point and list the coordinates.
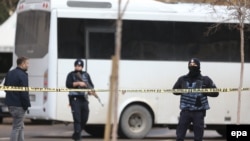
(61, 132)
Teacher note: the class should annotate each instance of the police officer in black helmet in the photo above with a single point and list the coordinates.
(79, 100)
(193, 105)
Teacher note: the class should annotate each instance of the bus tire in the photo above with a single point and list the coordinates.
(135, 122)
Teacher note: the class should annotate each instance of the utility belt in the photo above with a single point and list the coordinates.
(194, 111)
(73, 98)
(185, 110)
(77, 96)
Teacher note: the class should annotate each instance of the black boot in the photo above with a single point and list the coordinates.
(76, 136)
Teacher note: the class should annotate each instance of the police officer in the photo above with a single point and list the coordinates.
(193, 105)
(79, 100)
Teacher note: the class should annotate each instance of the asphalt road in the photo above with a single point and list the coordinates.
(62, 132)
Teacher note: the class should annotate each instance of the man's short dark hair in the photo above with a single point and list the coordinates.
(20, 60)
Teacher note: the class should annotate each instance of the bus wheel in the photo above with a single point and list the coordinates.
(135, 122)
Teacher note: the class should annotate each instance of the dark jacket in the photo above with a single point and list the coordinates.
(17, 77)
(194, 101)
(72, 77)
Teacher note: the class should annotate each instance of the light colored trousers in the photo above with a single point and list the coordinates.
(17, 124)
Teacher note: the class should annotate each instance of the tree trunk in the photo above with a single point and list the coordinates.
(241, 69)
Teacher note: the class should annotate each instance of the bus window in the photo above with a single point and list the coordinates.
(100, 43)
(70, 39)
(148, 40)
(32, 35)
(154, 40)
(6, 62)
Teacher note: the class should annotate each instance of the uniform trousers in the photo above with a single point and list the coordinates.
(80, 113)
(188, 117)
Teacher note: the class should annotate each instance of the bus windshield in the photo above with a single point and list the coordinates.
(32, 35)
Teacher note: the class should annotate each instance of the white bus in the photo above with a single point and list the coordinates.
(157, 42)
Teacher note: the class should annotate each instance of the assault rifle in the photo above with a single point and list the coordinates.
(92, 92)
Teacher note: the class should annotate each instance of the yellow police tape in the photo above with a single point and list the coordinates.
(199, 90)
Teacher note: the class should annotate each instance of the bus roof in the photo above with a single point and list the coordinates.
(136, 9)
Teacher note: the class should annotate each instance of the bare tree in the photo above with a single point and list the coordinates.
(239, 10)
(114, 79)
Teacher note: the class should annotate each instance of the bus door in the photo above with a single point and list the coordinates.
(99, 43)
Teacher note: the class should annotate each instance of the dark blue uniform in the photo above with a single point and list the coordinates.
(193, 105)
(79, 101)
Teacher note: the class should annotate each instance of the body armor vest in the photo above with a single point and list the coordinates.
(193, 101)
(81, 77)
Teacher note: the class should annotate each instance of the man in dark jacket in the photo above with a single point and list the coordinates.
(18, 101)
(193, 105)
(79, 100)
